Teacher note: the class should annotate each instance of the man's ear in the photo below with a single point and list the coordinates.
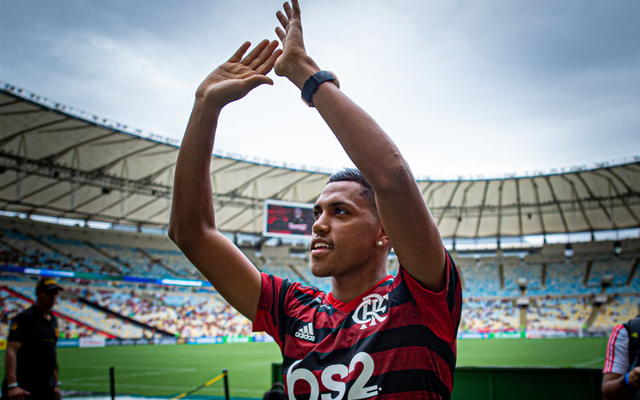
(382, 237)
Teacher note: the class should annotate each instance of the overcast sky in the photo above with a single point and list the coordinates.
(463, 87)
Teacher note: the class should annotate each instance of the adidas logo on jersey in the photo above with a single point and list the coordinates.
(306, 333)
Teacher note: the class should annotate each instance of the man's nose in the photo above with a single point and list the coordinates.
(321, 225)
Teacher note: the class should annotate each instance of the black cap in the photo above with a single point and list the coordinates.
(46, 284)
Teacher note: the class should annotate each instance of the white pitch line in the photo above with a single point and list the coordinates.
(587, 363)
(120, 367)
(119, 376)
(175, 388)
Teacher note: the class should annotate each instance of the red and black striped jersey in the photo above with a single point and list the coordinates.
(396, 341)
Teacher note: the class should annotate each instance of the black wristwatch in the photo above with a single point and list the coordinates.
(314, 81)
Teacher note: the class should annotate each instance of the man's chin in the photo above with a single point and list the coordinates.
(320, 272)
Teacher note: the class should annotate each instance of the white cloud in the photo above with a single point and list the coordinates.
(463, 88)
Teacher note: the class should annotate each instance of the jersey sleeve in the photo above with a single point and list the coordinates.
(616, 359)
(18, 330)
(271, 307)
(441, 311)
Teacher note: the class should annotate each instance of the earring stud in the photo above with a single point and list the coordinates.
(379, 242)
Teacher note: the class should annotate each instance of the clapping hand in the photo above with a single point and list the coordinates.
(294, 63)
(238, 76)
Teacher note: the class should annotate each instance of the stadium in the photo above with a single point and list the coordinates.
(547, 260)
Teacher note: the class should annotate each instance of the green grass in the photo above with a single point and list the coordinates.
(169, 370)
(570, 353)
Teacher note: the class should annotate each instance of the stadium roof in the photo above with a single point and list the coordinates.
(59, 161)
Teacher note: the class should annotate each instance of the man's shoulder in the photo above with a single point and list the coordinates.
(621, 336)
(632, 324)
(26, 314)
(22, 322)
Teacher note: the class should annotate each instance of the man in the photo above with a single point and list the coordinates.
(31, 369)
(373, 335)
(297, 224)
(621, 376)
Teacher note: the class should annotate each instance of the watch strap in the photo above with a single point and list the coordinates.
(314, 81)
(626, 384)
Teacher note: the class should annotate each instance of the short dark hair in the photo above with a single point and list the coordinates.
(354, 175)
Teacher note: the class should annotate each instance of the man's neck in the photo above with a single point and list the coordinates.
(347, 288)
(46, 312)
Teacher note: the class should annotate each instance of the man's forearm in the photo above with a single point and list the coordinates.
(613, 389)
(10, 366)
(192, 206)
(364, 141)
(371, 150)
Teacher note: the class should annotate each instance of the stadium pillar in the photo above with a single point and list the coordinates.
(523, 319)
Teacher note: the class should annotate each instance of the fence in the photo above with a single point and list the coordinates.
(508, 383)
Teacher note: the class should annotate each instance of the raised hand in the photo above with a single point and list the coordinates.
(238, 76)
(294, 63)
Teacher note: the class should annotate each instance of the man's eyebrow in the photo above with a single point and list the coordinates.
(333, 204)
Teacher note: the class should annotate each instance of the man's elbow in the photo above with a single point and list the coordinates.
(184, 237)
(9, 356)
(181, 239)
(172, 232)
(394, 176)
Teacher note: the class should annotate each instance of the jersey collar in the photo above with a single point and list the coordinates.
(348, 307)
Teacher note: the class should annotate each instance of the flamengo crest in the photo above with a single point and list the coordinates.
(371, 310)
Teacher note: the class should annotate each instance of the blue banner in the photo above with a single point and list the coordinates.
(68, 343)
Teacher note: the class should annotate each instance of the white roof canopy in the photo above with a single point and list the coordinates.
(62, 162)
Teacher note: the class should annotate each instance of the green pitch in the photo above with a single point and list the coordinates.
(169, 370)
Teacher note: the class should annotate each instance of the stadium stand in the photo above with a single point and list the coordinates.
(495, 315)
(90, 317)
(181, 314)
(558, 313)
(13, 302)
(620, 308)
(560, 291)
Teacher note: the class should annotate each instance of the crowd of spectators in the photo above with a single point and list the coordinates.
(559, 313)
(12, 306)
(561, 291)
(181, 314)
(494, 315)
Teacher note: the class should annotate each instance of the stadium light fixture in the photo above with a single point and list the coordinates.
(617, 248)
(568, 250)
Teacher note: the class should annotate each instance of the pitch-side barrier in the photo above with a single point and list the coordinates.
(224, 375)
(104, 342)
(513, 383)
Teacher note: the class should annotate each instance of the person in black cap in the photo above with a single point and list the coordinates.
(31, 369)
